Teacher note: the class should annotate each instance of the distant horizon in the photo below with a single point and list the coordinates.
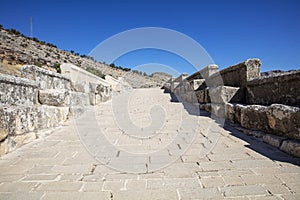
(230, 31)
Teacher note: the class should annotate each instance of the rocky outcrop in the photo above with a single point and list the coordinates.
(20, 50)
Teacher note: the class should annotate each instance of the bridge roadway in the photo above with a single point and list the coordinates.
(146, 145)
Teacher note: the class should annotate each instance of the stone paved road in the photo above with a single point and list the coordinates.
(181, 156)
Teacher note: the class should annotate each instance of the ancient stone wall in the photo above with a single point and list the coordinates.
(282, 88)
(265, 107)
(42, 100)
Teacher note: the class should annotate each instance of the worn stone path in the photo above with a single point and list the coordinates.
(175, 153)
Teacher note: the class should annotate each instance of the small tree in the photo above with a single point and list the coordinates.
(1, 27)
(56, 66)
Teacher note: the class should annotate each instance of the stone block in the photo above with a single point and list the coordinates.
(45, 79)
(238, 111)
(17, 91)
(82, 87)
(54, 97)
(218, 110)
(225, 94)
(230, 112)
(76, 111)
(291, 147)
(281, 88)
(18, 120)
(237, 75)
(255, 117)
(284, 120)
(203, 96)
(79, 99)
(51, 116)
(273, 140)
(196, 83)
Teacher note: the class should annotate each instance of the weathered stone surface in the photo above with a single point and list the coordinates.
(51, 116)
(230, 112)
(196, 83)
(273, 140)
(3, 133)
(45, 79)
(76, 111)
(82, 87)
(204, 73)
(19, 119)
(218, 110)
(250, 115)
(79, 98)
(17, 91)
(281, 88)
(291, 147)
(284, 120)
(54, 97)
(225, 94)
(203, 96)
(238, 112)
(237, 75)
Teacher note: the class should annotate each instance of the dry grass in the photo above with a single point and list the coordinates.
(11, 69)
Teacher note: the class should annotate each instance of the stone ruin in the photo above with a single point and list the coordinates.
(264, 107)
(41, 100)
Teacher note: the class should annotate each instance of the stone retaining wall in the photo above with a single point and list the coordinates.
(283, 88)
(268, 107)
(42, 100)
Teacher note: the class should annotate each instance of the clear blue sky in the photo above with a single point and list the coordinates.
(230, 30)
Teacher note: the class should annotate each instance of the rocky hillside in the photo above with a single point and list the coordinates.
(16, 50)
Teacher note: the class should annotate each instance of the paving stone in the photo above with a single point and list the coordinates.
(243, 190)
(135, 184)
(60, 186)
(233, 180)
(113, 185)
(256, 179)
(39, 178)
(146, 194)
(277, 188)
(209, 182)
(17, 187)
(289, 178)
(204, 193)
(295, 187)
(21, 195)
(10, 177)
(76, 195)
(92, 186)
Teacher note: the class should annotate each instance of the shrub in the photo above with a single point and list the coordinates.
(95, 72)
(56, 66)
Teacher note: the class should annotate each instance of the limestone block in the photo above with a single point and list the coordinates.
(273, 140)
(218, 110)
(255, 117)
(18, 120)
(230, 112)
(225, 94)
(54, 97)
(51, 116)
(291, 147)
(79, 99)
(17, 91)
(82, 87)
(238, 111)
(203, 96)
(284, 120)
(76, 111)
(196, 83)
